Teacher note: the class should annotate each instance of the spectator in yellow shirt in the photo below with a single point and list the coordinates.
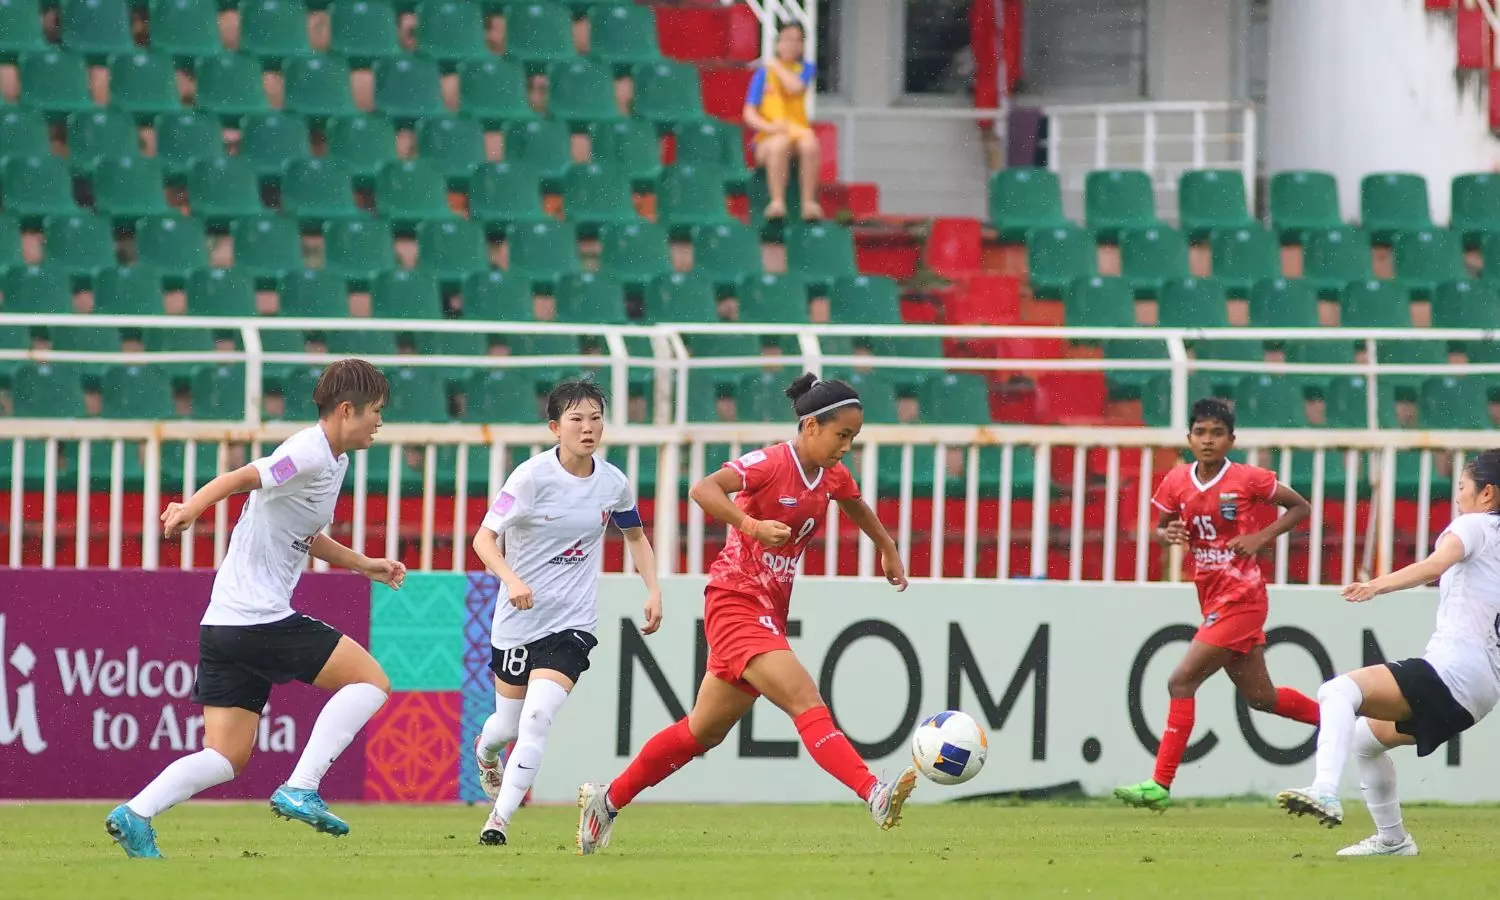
(776, 107)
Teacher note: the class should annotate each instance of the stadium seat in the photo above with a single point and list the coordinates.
(358, 250)
(623, 35)
(1372, 303)
(451, 32)
(36, 187)
(132, 291)
(1269, 401)
(451, 145)
(23, 133)
(955, 399)
(266, 248)
(495, 296)
(231, 86)
(1334, 257)
(318, 87)
(363, 144)
(582, 93)
(80, 245)
(223, 189)
(728, 253)
(1456, 402)
(408, 88)
(1192, 303)
(1024, 200)
(502, 195)
(1391, 202)
(177, 245)
(275, 32)
(493, 91)
(866, 300)
(38, 289)
(1469, 304)
(595, 196)
(822, 253)
(772, 298)
(1210, 200)
(501, 395)
(55, 82)
(1244, 256)
(408, 192)
(418, 394)
(1116, 200)
(543, 145)
(634, 252)
(691, 198)
(20, 29)
(667, 94)
(1057, 257)
(590, 297)
(10, 244)
(1302, 202)
(47, 391)
(218, 393)
(1283, 303)
(1100, 302)
(144, 85)
(715, 145)
(95, 135)
(364, 32)
(318, 190)
(186, 138)
(137, 392)
(314, 294)
(1150, 256)
(185, 29)
(96, 28)
(1476, 207)
(220, 292)
(1347, 403)
(399, 294)
(1425, 259)
(543, 253)
(128, 188)
(451, 251)
(633, 148)
(681, 297)
(538, 33)
(272, 142)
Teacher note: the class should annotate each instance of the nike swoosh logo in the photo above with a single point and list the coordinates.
(290, 802)
(527, 768)
(550, 518)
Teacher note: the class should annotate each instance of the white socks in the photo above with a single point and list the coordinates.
(181, 780)
(500, 728)
(543, 700)
(1377, 777)
(1338, 706)
(345, 714)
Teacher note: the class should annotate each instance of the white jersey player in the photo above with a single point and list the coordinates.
(1424, 701)
(542, 539)
(251, 638)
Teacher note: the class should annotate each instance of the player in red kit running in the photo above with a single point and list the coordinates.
(782, 496)
(1206, 506)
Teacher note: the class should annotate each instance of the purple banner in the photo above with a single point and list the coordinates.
(96, 675)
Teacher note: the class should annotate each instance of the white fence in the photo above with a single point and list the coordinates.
(991, 497)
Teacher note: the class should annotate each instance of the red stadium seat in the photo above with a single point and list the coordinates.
(1071, 398)
(1475, 40)
(692, 33)
(954, 247)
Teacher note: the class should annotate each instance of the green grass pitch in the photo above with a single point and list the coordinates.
(719, 852)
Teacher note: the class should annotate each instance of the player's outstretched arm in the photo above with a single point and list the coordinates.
(1297, 510)
(176, 518)
(386, 571)
(644, 558)
(860, 513)
(1449, 551)
(712, 493)
(487, 548)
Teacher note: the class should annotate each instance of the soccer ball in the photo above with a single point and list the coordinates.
(950, 747)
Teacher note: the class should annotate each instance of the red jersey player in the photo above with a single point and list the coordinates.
(1209, 506)
(782, 496)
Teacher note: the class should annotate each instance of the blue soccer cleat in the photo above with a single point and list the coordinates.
(132, 832)
(306, 806)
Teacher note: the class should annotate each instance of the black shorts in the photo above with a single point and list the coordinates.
(237, 664)
(1435, 716)
(566, 652)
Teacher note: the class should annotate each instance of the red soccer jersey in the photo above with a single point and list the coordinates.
(1215, 514)
(776, 488)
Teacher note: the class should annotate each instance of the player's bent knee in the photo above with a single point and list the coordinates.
(1181, 685)
(380, 681)
(1261, 702)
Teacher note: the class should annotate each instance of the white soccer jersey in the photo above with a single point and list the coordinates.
(551, 525)
(299, 485)
(1465, 647)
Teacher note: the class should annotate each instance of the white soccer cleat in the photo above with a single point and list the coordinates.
(888, 798)
(1374, 846)
(494, 831)
(489, 772)
(595, 818)
(1309, 801)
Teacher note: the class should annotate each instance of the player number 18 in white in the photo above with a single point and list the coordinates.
(1205, 528)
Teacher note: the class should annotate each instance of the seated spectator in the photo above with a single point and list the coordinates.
(776, 107)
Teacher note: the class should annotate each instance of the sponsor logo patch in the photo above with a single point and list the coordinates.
(283, 469)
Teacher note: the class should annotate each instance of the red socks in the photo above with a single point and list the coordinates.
(668, 750)
(831, 750)
(1292, 704)
(1174, 741)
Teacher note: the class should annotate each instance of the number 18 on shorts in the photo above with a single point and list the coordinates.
(566, 652)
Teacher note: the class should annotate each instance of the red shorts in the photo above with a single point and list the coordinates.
(1239, 627)
(739, 628)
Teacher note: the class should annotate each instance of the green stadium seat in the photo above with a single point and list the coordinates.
(96, 28)
(1116, 200)
(771, 298)
(501, 396)
(99, 134)
(1303, 202)
(128, 188)
(590, 297)
(318, 87)
(635, 252)
(144, 85)
(543, 145)
(1244, 256)
(36, 187)
(177, 245)
(266, 248)
(691, 198)
(231, 86)
(408, 88)
(1145, 384)
(315, 294)
(275, 32)
(1456, 402)
(220, 292)
(132, 291)
(451, 32)
(20, 30)
(542, 252)
(877, 392)
(667, 94)
(1476, 207)
(1024, 200)
(502, 195)
(538, 33)
(10, 243)
(399, 294)
(316, 191)
(955, 399)
(1150, 256)
(681, 297)
(494, 92)
(418, 394)
(80, 245)
(1210, 200)
(716, 146)
(272, 141)
(582, 93)
(865, 300)
(1348, 403)
(1466, 304)
(1099, 301)
(218, 393)
(363, 144)
(451, 145)
(222, 189)
(728, 252)
(408, 192)
(1058, 256)
(364, 33)
(1392, 202)
(186, 138)
(358, 249)
(1334, 257)
(495, 296)
(1372, 303)
(1283, 303)
(137, 392)
(451, 251)
(297, 383)
(23, 133)
(623, 35)
(821, 252)
(38, 289)
(595, 196)
(47, 391)
(1425, 259)
(186, 29)
(1193, 303)
(1269, 401)
(633, 148)
(55, 82)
